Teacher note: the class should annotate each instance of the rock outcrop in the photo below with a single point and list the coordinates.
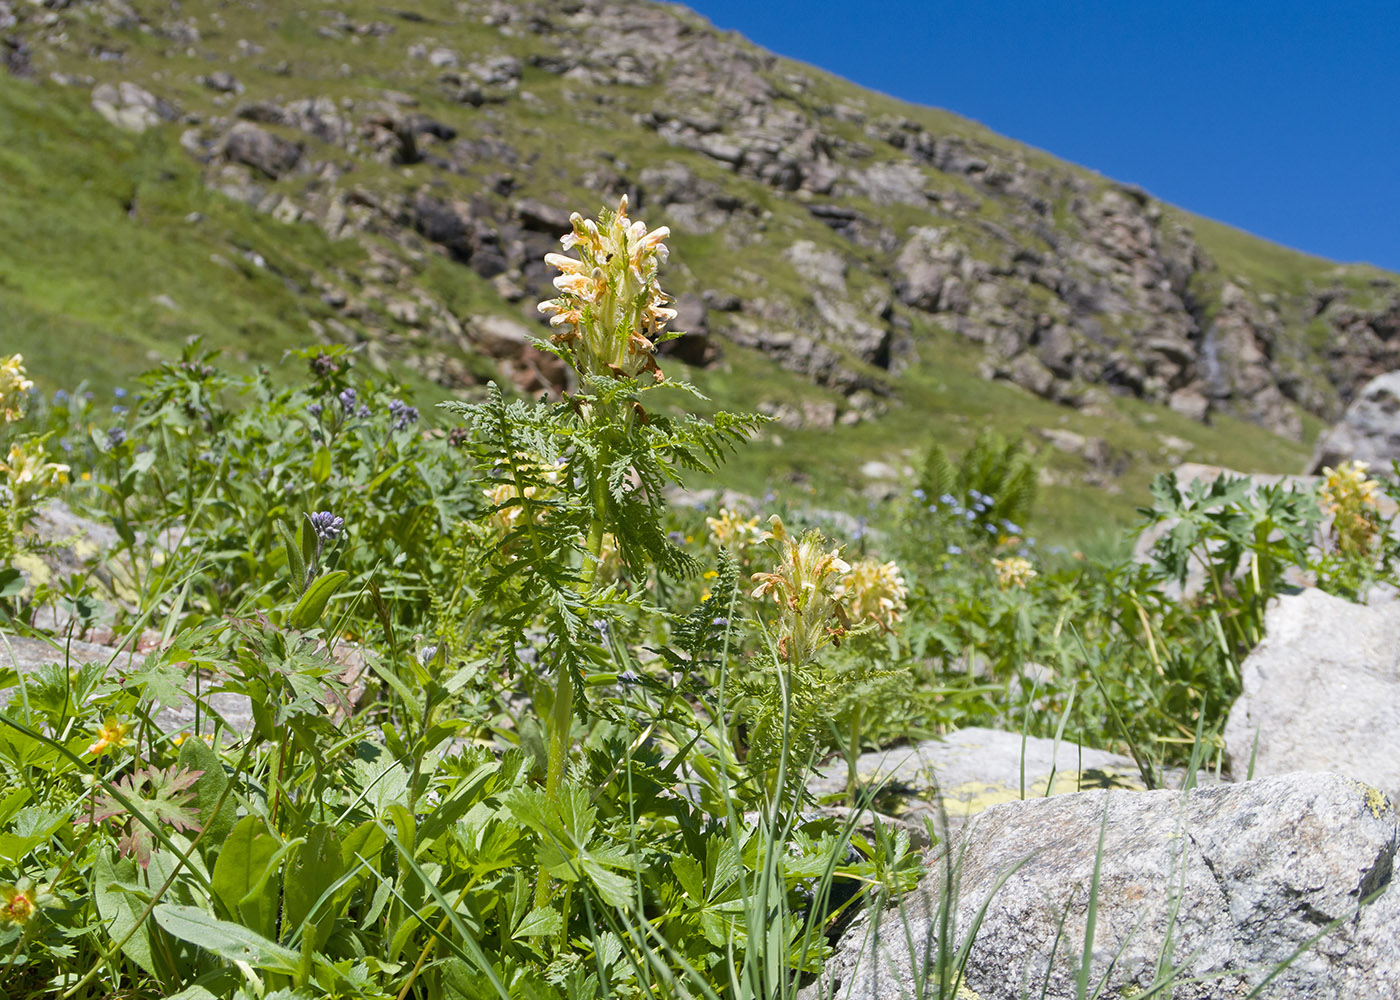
(1213, 890)
(1369, 431)
(1321, 692)
(1065, 279)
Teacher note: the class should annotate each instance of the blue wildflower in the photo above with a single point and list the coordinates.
(118, 409)
(955, 550)
(119, 392)
(920, 495)
(948, 499)
(348, 399)
(363, 412)
(116, 437)
(314, 409)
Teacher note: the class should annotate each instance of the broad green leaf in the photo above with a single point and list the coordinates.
(119, 903)
(310, 870)
(541, 922)
(296, 565)
(196, 755)
(309, 609)
(243, 865)
(321, 465)
(230, 941)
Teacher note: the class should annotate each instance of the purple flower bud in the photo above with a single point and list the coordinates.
(116, 437)
(327, 525)
(403, 414)
(314, 409)
(348, 399)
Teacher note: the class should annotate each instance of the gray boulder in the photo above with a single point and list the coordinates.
(26, 656)
(948, 781)
(258, 148)
(130, 107)
(1321, 692)
(1216, 887)
(1369, 431)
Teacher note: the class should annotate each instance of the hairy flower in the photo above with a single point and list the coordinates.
(326, 525)
(323, 365)
(28, 472)
(1349, 496)
(402, 414)
(806, 587)
(610, 309)
(13, 387)
(1014, 571)
(112, 733)
(733, 531)
(17, 906)
(875, 592)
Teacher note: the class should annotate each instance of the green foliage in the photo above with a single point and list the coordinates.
(995, 479)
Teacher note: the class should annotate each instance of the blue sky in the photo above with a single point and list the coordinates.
(1280, 118)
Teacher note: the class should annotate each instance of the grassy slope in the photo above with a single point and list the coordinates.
(100, 218)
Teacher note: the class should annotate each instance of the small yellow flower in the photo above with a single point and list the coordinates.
(17, 906)
(13, 387)
(27, 471)
(734, 532)
(1349, 496)
(1014, 571)
(111, 733)
(874, 591)
(805, 585)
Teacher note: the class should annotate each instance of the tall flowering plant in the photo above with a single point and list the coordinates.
(581, 480)
(27, 473)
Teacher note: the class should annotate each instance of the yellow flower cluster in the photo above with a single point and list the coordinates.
(610, 309)
(27, 471)
(806, 585)
(13, 388)
(734, 532)
(1349, 496)
(874, 591)
(1013, 571)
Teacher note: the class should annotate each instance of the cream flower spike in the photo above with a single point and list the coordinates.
(610, 310)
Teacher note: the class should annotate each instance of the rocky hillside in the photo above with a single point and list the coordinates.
(423, 157)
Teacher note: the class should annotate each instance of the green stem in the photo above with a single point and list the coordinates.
(561, 713)
(852, 754)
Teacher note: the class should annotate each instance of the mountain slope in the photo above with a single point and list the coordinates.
(857, 266)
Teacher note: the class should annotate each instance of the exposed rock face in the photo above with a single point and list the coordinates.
(1321, 692)
(1369, 431)
(1230, 882)
(1066, 280)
